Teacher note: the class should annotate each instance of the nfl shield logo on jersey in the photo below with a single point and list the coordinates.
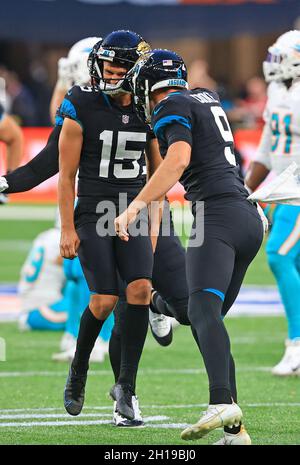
(125, 119)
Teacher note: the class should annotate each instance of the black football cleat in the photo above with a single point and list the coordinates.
(74, 392)
(122, 394)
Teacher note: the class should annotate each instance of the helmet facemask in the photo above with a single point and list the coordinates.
(141, 93)
(124, 57)
(272, 65)
(283, 60)
(111, 86)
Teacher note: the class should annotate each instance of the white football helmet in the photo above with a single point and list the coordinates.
(73, 70)
(283, 59)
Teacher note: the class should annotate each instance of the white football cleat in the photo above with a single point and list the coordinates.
(216, 416)
(67, 341)
(240, 439)
(3, 184)
(3, 199)
(97, 355)
(161, 328)
(66, 356)
(290, 363)
(121, 421)
(22, 322)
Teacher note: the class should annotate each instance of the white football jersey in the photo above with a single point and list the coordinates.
(280, 142)
(42, 278)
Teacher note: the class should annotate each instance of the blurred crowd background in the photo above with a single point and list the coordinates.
(223, 42)
(28, 75)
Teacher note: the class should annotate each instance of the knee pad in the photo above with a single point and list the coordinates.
(204, 307)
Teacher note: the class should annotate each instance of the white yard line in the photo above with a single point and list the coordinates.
(70, 422)
(54, 423)
(158, 371)
(24, 416)
(11, 413)
(29, 213)
(15, 244)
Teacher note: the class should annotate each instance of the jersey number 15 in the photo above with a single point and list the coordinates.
(121, 154)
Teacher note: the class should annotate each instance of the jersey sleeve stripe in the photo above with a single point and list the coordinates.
(66, 110)
(170, 119)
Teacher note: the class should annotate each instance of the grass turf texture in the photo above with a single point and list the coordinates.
(30, 380)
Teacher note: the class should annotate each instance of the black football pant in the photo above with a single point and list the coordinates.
(168, 279)
(233, 233)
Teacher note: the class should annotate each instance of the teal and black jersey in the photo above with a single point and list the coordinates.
(114, 140)
(197, 118)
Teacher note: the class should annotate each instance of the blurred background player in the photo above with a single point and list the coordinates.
(53, 293)
(42, 285)
(11, 135)
(279, 147)
(72, 70)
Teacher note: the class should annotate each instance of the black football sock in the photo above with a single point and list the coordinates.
(115, 340)
(89, 330)
(133, 335)
(175, 308)
(232, 379)
(115, 353)
(234, 429)
(159, 305)
(205, 316)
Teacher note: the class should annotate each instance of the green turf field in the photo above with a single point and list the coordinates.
(172, 384)
(172, 388)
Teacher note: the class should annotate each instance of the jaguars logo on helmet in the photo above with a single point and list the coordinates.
(121, 47)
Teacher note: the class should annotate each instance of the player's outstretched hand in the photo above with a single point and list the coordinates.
(263, 218)
(127, 217)
(69, 243)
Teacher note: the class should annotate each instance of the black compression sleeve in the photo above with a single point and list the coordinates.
(43, 166)
(176, 133)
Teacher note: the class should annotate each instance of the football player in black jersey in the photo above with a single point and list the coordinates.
(196, 143)
(102, 135)
(103, 139)
(11, 135)
(169, 277)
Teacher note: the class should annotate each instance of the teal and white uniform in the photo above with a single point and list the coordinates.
(279, 147)
(53, 296)
(42, 285)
